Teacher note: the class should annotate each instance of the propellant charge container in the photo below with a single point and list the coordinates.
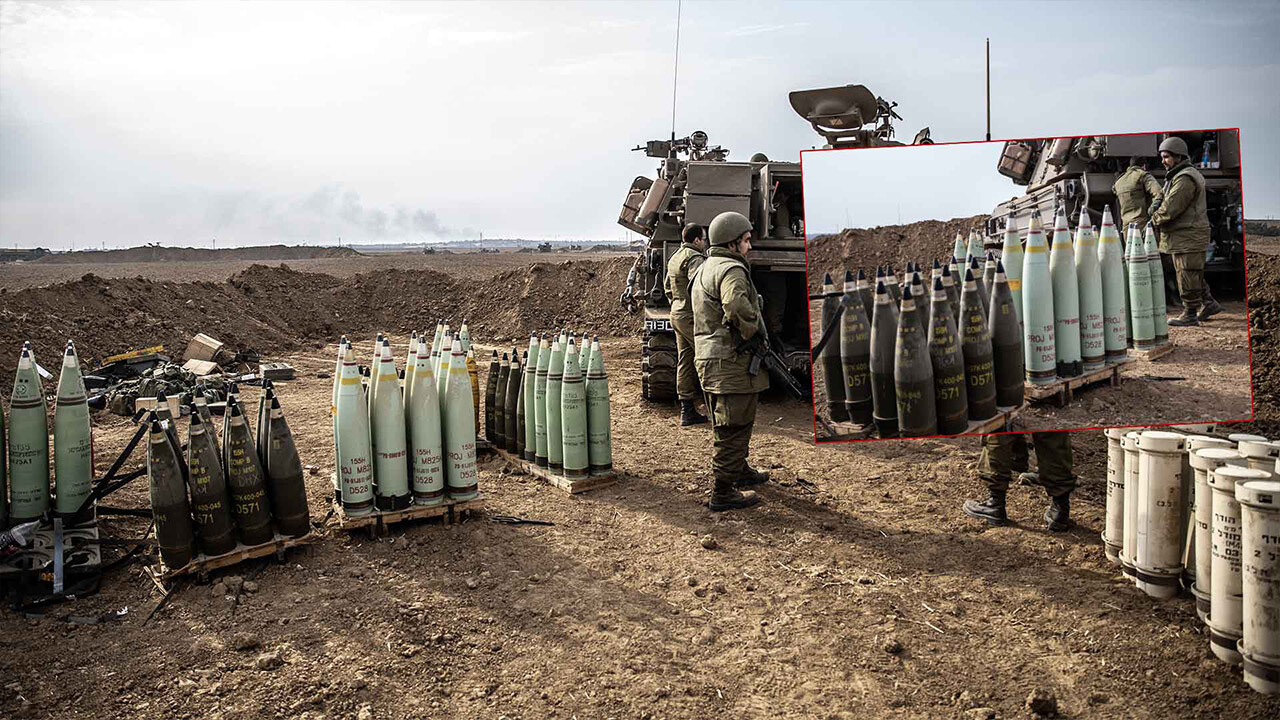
(1260, 583)
(1158, 541)
(1113, 528)
(1203, 460)
(1226, 621)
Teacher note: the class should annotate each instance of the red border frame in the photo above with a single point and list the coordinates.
(1253, 411)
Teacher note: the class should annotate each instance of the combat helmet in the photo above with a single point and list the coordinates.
(1175, 145)
(727, 227)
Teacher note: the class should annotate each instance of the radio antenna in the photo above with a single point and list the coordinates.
(675, 71)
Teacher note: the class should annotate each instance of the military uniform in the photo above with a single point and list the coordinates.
(1183, 222)
(680, 267)
(726, 313)
(1006, 453)
(1137, 191)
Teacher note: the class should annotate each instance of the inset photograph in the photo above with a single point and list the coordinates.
(1044, 284)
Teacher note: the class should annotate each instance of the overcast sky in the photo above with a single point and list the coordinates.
(126, 123)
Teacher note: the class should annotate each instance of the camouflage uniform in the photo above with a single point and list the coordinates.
(679, 269)
(1002, 455)
(1183, 222)
(1137, 191)
(726, 313)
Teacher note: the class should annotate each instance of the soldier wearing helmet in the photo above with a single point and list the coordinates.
(726, 317)
(1182, 219)
(1137, 191)
(693, 244)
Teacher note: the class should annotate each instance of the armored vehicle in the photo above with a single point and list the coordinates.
(695, 182)
(1080, 171)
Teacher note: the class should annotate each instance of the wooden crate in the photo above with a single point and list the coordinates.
(1000, 422)
(571, 486)
(1062, 390)
(201, 565)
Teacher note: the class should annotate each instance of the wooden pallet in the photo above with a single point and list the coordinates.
(1001, 421)
(377, 522)
(1062, 390)
(1154, 353)
(571, 486)
(202, 565)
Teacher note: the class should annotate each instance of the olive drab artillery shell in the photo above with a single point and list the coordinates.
(165, 416)
(984, 297)
(1141, 310)
(354, 451)
(866, 293)
(584, 354)
(913, 373)
(499, 438)
(855, 356)
(1011, 258)
(884, 340)
(918, 296)
(959, 250)
(1006, 342)
(1115, 311)
(1203, 460)
(573, 416)
(599, 417)
(461, 477)
(210, 503)
(260, 427)
(1093, 353)
(284, 475)
(528, 388)
(245, 482)
(490, 391)
(387, 433)
(521, 416)
(979, 362)
(540, 402)
(1158, 537)
(948, 364)
(555, 382)
(1039, 351)
(1129, 444)
(169, 507)
(832, 372)
(1155, 267)
(510, 436)
(974, 252)
(1066, 298)
(72, 443)
(891, 284)
(989, 273)
(425, 434)
(1113, 528)
(1226, 622)
(949, 278)
(1260, 583)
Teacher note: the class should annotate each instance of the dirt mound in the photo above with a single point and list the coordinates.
(868, 247)
(273, 309)
(152, 253)
(1266, 228)
(1264, 344)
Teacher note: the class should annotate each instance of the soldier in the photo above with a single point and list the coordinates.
(1000, 454)
(1182, 219)
(680, 267)
(727, 325)
(1137, 191)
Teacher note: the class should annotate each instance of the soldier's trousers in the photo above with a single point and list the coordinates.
(686, 373)
(732, 419)
(1189, 268)
(1003, 454)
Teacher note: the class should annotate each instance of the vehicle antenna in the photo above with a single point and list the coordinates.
(675, 71)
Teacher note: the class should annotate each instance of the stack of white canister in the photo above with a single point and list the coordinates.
(1203, 512)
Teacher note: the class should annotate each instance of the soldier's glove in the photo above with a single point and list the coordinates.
(627, 295)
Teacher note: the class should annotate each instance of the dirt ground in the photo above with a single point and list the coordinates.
(857, 589)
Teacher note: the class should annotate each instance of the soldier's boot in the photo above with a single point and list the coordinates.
(1029, 479)
(732, 499)
(750, 477)
(992, 509)
(1057, 516)
(689, 414)
(1186, 319)
(1211, 308)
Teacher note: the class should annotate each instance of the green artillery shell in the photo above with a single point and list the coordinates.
(832, 372)
(1006, 342)
(461, 478)
(555, 432)
(540, 402)
(426, 438)
(245, 482)
(473, 375)
(355, 453)
(490, 388)
(891, 284)
(512, 399)
(573, 416)
(373, 368)
(947, 359)
(974, 251)
(521, 417)
(527, 390)
(333, 414)
(72, 444)
(169, 507)
(884, 339)
(599, 420)
(866, 294)
(1159, 311)
(210, 504)
(28, 444)
(1039, 354)
(387, 432)
(989, 273)
(1066, 299)
(1093, 352)
(855, 355)
(1141, 307)
(959, 251)
(584, 353)
(167, 422)
(975, 343)
(284, 476)
(1011, 258)
(913, 373)
(499, 438)
(1115, 313)
(435, 349)
(446, 359)
(410, 373)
